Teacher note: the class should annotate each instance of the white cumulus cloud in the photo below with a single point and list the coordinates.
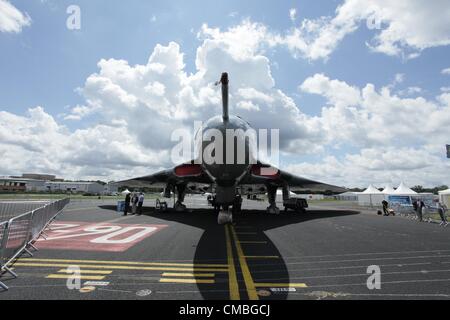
(138, 107)
(402, 28)
(292, 14)
(11, 19)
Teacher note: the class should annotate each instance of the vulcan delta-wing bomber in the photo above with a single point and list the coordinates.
(228, 180)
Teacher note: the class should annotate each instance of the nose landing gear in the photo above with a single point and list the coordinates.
(225, 216)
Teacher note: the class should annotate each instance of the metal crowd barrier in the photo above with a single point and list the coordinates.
(429, 213)
(11, 208)
(404, 210)
(18, 234)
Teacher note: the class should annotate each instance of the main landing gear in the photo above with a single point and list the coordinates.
(271, 194)
(273, 209)
(181, 192)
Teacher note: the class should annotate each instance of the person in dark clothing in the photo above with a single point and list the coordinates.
(416, 208)
(420, 206)
(140, 203)
(127, 204)
(385, 207)
(414, 205)
(441, 210)
(134, 203)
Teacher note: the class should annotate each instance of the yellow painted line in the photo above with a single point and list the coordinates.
(253, 242)
(61, 265)
(248, 280)
(71, 276)
(261, 257)
(232, 277)
(128, 263)
(172, 274)
(169, 280)
(281, 285)
(87, 271)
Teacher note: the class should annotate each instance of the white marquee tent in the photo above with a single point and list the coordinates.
(444, 197)
(370, 197)
(125, 192)
(373, 197)
(348, 196)
(403, 190)
(388, 190)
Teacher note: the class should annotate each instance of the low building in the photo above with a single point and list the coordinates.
(39, 176)
(12, 184)
(8, 184)
(35, 185)
(75, 187)
(110, 189)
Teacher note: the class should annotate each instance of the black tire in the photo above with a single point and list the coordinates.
(299, 208)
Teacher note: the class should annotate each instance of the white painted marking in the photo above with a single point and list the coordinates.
(143, 293)
(96, 283)
(106, 239)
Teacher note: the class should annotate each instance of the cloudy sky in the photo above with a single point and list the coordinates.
(359, 89)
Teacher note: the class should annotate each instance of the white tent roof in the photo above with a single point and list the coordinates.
(126, 191)
(403, 189)
(371, 190)
(388, 189)
(444, 191)
(349, 193)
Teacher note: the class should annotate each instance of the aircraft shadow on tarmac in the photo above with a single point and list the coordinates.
(249, 226)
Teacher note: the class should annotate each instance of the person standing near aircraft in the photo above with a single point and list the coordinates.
(134, 201)
(127, 204)
(385, 207)
(415, 205)
(420, 208)
(441, 210)
(140, 203)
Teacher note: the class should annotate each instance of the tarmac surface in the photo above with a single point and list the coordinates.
(323, 254)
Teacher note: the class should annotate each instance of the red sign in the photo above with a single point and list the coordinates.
(86, 236)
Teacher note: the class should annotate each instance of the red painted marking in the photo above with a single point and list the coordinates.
(187, 170)
(86, 236)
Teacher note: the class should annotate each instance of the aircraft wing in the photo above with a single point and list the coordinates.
(280, 178)
(188, 173)
(198, 181)
(297, 183)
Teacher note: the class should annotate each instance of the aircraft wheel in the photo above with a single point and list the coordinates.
(273, 209)
(224, 217)
(301, 210)
(179, 207)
